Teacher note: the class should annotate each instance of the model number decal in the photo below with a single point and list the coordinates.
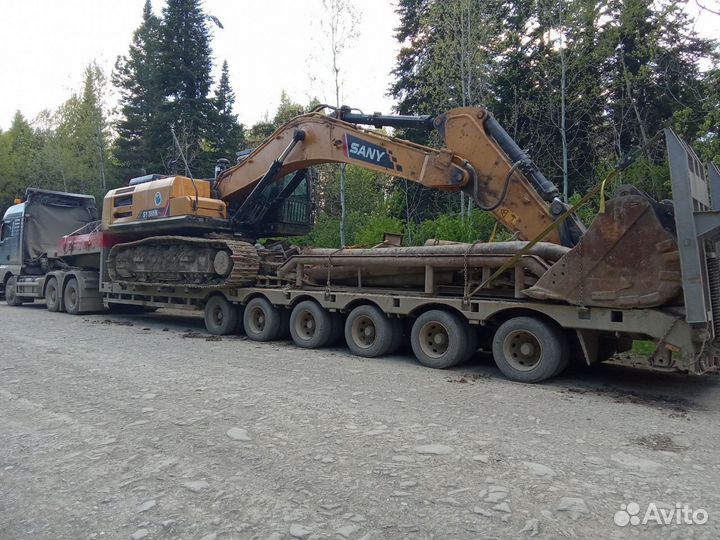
(361, 150)
(154, 213)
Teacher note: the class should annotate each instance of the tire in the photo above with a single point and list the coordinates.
(240, 326)
(311, 326)
(473, 342)
(262, 321)
(220, 316)
(284, 323)
(71, 297)
(529, 350)
(440, 339)
(11, 296)
(52, 295)
(369, 332)
(338, 329)
(398, 335)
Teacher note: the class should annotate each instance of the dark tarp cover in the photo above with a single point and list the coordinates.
(51, 215)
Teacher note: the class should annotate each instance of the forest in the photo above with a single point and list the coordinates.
(580, 84)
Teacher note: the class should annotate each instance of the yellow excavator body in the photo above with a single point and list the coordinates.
(163, 198)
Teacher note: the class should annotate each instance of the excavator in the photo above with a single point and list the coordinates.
(203, 233)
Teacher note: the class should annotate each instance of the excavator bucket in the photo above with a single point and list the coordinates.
(628, 258)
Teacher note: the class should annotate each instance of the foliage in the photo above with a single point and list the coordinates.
(65, 150)
(373, 229)
(165, 82)
(478, 226)
(586, 79)
(229, 135)
(135, 76)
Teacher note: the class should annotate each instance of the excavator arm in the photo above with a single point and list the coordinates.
(479, 159)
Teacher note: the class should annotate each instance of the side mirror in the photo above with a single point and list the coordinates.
(3, 228)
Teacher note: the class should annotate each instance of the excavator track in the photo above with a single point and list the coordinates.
(184, 261)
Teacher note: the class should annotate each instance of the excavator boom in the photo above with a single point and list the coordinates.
(472, 161)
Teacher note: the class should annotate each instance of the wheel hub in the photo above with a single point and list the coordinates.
(305, 324)
(522, 349)
(258, 318)
(434, 340)
(363, 331)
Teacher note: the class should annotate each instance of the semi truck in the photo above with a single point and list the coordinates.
(644, 270)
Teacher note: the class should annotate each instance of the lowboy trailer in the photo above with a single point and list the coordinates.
(531, 340)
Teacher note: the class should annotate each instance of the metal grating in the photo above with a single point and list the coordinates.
(697, 220)
(713, 267)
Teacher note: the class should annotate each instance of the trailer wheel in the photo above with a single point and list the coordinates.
(261, 320)
(52, 295)
(220, 316)
(440, 339)
(71, 297)
(11, 296)
(529, 350)
(369, 332)
(311, 326)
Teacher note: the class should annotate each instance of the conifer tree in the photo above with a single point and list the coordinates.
(226, 135)
(184, 76)
(137, 79)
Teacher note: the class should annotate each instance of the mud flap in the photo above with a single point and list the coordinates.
(628, 258)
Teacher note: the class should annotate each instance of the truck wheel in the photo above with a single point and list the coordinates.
(529, 350)
(11, 296)
(311, 326)
(52, 295)
(369, 332)
(220, 316)
(440, 339)
(71, 297)
(261, 320)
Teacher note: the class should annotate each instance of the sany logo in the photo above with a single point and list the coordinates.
(680, 514)
(359, 149)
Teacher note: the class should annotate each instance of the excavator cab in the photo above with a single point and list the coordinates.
(285, 207)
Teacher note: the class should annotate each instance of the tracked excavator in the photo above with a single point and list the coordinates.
(202, 233)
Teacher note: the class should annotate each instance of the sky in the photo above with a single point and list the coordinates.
(270, 46)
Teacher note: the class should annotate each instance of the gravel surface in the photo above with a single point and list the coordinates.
(145, 427)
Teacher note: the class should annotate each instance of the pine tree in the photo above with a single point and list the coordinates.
(184, 71)
(137, 79)
(227, 135)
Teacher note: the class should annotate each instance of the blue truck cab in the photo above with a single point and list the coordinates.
(30, 231)
(10, 241)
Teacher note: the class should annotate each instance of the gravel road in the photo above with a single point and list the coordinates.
(145, 427)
